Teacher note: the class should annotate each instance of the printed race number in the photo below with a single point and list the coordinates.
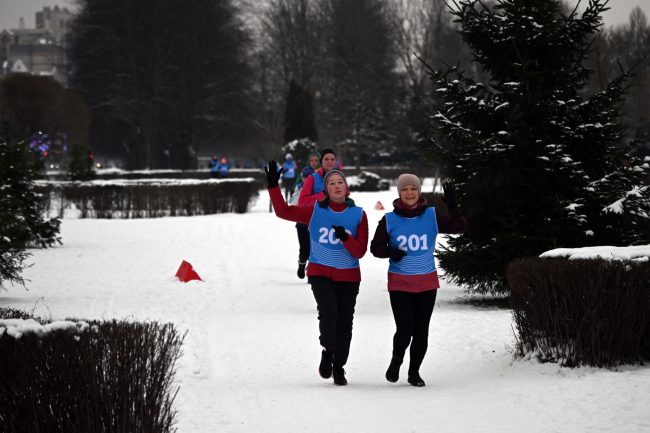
(328, 236)
(413, 243)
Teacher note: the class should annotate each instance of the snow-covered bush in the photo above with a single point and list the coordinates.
(367, 181)
(590, 309)
(299, 149)
(79, 377)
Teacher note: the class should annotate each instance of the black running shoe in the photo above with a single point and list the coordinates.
(392, 374)
(325, 367)
(301, 270)
(415, 380)
(339, 376)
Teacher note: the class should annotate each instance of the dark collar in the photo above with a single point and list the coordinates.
(401, 209)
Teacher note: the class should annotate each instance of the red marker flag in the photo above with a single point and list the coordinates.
(187, 273)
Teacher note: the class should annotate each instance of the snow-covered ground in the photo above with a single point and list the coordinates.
(251, 352)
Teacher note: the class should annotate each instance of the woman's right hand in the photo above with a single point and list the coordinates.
(272, 174)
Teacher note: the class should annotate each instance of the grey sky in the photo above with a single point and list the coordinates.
(12, 10)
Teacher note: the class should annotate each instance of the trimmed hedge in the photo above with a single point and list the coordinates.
(148, 198)
(385, 172)
(203, 173)
(96, 377)
(581, 312)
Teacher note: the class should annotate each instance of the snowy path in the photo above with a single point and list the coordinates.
(251, 352)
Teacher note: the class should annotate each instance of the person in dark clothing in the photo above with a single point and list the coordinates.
(338, 231)
(223, 168)
(313, 160)
(407, 237)
(213, 165)
(289, 169)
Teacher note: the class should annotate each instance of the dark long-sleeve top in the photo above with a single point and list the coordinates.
(356, 246)
(455, 222)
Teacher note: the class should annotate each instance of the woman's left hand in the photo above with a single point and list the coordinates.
(340, 233)
(449, 188)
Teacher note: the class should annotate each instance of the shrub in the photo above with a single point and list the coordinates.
(88, 377)
(12, 313)
(581, 312)
(150, 198)
(299, 149)
(367, 181)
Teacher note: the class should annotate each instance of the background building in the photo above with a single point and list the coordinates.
(38, 51)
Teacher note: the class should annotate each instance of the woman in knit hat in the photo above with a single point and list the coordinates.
(313, 188)
(313, 162)
(407, 237)
(338, 232)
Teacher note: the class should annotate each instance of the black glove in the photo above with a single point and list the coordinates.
(396, 254)
(340, 233)
(449, 188)
(272, 174)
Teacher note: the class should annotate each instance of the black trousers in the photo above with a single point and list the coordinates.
(288, 184)
(304, 242)
(335, 301)
(412, 314)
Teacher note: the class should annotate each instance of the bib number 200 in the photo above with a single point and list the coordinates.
(328, 236)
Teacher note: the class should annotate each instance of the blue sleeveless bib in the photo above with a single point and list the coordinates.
(318, 183)
(416, 236)
(289, 169)
(326, 249)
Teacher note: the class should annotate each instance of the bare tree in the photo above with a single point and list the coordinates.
(424, 31)
(616, 50)
(288, 49)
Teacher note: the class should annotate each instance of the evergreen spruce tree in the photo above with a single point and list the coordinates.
(21, 221)
(538, 164)
(299, 119)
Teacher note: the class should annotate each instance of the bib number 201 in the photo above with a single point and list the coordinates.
(328, 236)
(413, 242)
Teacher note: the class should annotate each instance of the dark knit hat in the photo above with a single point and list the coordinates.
(325, 152)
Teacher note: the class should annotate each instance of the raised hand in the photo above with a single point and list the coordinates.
(340, 233)
(396, 254)
(449, 187)
(272, 174)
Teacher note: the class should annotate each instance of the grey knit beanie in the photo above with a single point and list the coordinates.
(329, 174)
(408, 179)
